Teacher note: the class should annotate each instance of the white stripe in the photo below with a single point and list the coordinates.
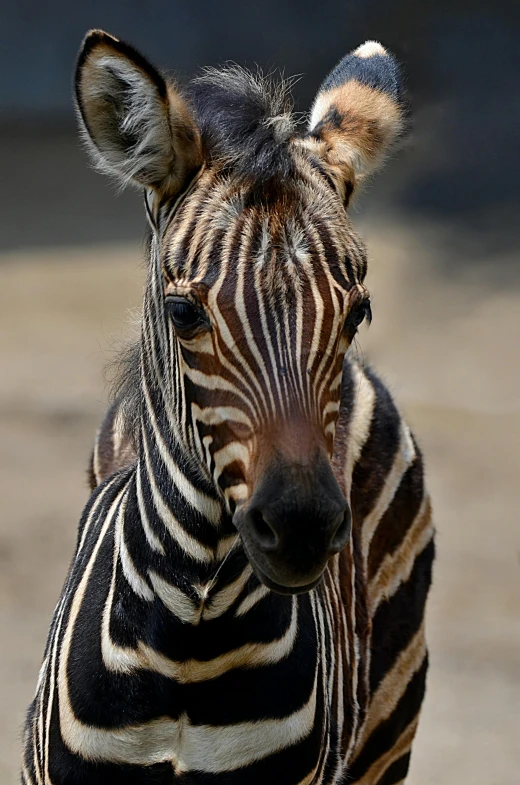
(213, 382)
(175, 600)
(200, 501)
(188, 543)
(92, 514)
(135, 581)
(152, 539)
(396, 680)
(250, 655)
(404, 457)
(252, 599)
(231, 452)
(222, 600)
(190, 747)
(258, 289)
(246, 326)
(216, 415)
(397, 567)
(364, 398)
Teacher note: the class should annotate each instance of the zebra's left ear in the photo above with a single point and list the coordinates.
(137, 126)
(358, 115)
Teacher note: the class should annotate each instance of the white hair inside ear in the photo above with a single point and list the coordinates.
(137, 127)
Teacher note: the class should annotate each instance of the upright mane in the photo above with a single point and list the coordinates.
(246, 121)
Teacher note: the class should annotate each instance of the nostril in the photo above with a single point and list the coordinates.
(264, 533)
(342, 531)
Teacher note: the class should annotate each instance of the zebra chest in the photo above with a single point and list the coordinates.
(255, 704)
(253, 686)
(196, 742)
(215, 717)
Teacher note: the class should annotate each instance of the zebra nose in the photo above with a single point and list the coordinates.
(296, 520)
(289, 551)
(268, 531)
(341, 531)
(263, 530)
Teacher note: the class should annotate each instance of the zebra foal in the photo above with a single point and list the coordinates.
(246, 599)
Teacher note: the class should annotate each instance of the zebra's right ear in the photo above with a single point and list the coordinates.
(137, 126)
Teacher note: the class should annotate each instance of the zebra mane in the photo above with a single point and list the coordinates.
(245, 121)
(125, 389)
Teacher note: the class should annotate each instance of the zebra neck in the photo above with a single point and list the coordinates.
(169, 550)
(185, 524)
(178, 508)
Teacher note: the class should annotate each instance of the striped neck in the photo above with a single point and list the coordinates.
(182, 513)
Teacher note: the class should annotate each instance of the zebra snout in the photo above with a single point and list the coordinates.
(268, 532)
(296, 519)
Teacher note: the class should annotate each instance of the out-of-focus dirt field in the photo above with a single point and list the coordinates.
(448, 347)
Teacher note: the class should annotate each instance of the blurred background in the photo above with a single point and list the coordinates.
(441, 224)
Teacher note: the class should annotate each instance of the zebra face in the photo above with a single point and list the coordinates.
(255, 285)
(262, 299)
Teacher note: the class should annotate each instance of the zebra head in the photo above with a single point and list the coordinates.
(255, 287)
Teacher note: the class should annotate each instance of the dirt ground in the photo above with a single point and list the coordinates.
(448, 347)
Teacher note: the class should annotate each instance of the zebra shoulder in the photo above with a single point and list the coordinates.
(381, 464)
(394, 538)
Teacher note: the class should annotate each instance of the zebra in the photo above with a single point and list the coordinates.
(246, 599)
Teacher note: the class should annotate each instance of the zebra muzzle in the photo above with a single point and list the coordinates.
(295, 521)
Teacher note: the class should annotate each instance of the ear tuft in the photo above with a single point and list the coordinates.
(369, 49)
(137, 126)
(359, 113)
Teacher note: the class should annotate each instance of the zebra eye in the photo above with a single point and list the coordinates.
(185, 316)
(357, 315)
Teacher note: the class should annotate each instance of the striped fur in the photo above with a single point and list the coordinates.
(168, 659)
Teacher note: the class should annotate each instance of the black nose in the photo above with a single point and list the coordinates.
(270, 531)
(297, 518)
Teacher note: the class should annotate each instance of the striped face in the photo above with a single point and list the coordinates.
(256, 279)
(261, 301)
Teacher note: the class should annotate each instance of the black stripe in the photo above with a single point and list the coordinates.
(379, 451)
(388, 732)
(347, 396)
(66, 768)
(287, 767)
(399, 618)
(398, 517)
(397, 771)
(331, 251)
(318, 167)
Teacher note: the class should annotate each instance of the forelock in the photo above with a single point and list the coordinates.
(246, 123)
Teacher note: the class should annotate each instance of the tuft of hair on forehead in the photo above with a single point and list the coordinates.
(246, 122)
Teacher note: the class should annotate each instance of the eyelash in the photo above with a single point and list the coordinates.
(357, 316)
(188, 322)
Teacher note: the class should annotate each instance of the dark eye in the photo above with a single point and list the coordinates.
(185, 316)
(357, 315)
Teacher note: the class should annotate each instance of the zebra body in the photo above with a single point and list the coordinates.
(181, 651)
